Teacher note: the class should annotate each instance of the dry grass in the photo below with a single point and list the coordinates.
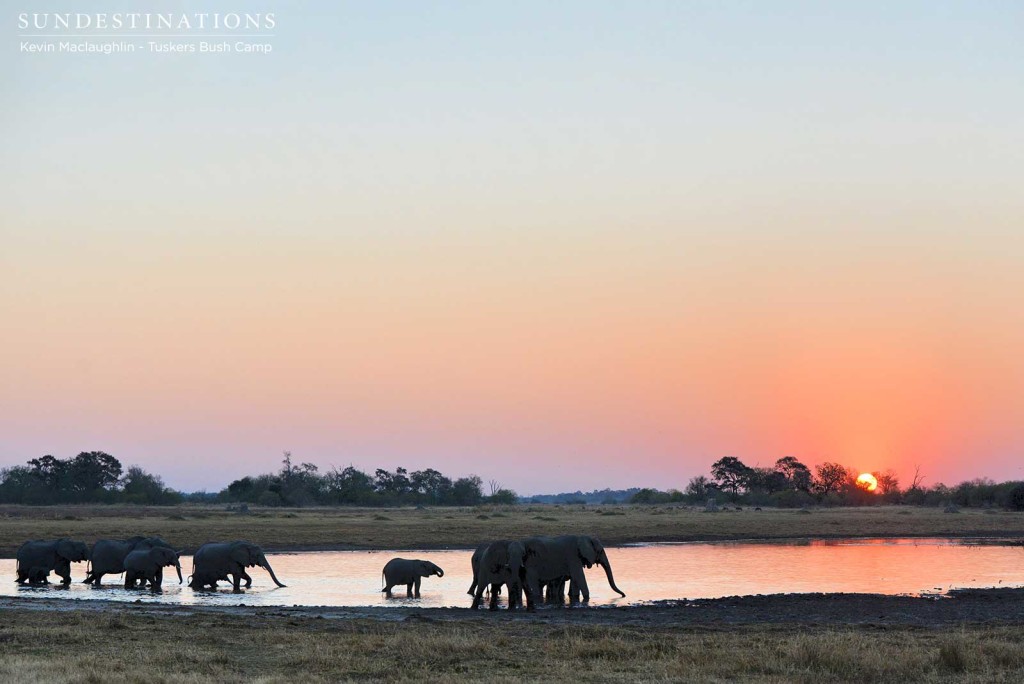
(80, 646)
(282, 529)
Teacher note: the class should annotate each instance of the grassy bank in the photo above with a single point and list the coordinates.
(283, 529)
(112, 647)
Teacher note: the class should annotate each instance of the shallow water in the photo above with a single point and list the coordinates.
(646, 572)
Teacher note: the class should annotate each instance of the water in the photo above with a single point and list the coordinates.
(646, 572)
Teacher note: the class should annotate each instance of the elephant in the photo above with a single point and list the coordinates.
(501, 562)
(148, 565)
(475, 561)
(409, 573)
(52, 556)
(216, 560)
(108, 555)
(553, 559)
(38, 575)
(201, 580)
(554, 591)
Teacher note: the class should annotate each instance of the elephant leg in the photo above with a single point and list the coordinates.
(479, 595)
(577, 577)
(156, 582)
(574, 592)
(513, 597)
(387, 590)
(534, 589)
(417, 587)
(237, 579)
(97, 579)
(247, 578)
(494, 597)
(530, 599)
(408, 590)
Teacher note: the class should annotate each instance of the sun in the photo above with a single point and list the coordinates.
(867, 482)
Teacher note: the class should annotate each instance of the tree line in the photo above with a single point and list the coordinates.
(98, 477)
(790, 483)
(89, 477)
(305, 485)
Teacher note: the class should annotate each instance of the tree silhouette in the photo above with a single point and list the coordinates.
(730, 474)
(830, 477)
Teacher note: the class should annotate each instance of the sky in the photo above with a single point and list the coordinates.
(564, 246)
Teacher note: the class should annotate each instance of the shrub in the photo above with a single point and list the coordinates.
(1015, 499)
(269, 499)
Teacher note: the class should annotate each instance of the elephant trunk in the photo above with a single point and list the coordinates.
(177, 566)
(611, 578)
(266, 566)
(440, 572)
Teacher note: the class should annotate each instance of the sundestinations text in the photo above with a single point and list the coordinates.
(104, 21)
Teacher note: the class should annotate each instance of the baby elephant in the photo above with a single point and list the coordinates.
(148, 565)
(38, 575)
(204, 580)
(408, 572)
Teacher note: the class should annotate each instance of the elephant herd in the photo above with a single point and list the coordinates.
(141, 560)
(537, 567)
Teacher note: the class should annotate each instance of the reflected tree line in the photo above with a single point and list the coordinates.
(790, 483)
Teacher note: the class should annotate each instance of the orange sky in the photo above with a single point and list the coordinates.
(559, 255)
(638, 357)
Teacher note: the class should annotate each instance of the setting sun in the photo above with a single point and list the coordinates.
(867, 482)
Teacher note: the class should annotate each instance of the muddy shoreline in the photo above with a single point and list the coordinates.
(972, 606)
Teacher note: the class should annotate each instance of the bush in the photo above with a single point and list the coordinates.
(269, 499)
(791, 498)
(649, 496)
(503, 496)
(1015, 499)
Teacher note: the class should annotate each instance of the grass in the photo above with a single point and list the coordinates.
(293, 529)
(89, 646)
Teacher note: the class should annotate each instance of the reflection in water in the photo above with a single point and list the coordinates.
(644, 572)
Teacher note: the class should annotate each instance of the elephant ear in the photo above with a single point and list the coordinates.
(66, 549)
(241, 554)
(587, 551)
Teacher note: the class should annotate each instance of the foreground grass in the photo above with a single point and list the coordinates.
(88, 646)
(292, 529)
